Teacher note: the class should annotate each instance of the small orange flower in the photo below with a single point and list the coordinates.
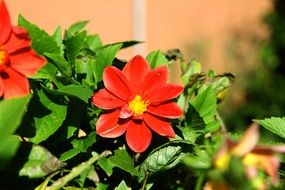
(17, 59)
(137, 99)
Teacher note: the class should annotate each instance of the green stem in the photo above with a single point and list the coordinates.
(144, 181)
(76, 171)
(199, 183)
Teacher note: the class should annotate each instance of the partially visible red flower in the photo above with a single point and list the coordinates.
(137, 99)
(17, 59)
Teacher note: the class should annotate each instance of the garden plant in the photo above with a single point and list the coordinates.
(74, 116)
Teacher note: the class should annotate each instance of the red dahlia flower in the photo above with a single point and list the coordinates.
(137, 99)
(17, 59)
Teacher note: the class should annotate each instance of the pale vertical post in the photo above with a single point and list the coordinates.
(139, 26)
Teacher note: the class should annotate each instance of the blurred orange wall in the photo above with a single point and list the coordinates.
(169, 24)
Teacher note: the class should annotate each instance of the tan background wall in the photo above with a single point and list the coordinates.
(184, 24)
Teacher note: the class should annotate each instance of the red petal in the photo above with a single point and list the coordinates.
(138, 136)
(15, 84)
(135, 71)
(105, 100)
(5, 25)
(116, 82)
(27, 62)
(109, 127)
(159, 125)
(126, 112)
(21, 32)
(18, 40)
(164, 93)
(154, 79)
(168, 109)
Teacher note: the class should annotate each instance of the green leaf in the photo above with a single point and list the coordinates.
(84, 143)
(82, 65)
(83, 175)
(274, 124)
(73, 119)
(122, 160)
(156, 58)
(122, 186)
(130, 43)
(11, 114)
(69, 154)
(60, 62)
(79, 145)
(221, 84)
(193, 68)
(101, 186)
(77, 27)
(73, 45)
(203, 109)
(104, 58)
(106, 165)
(58, 39)
(48, 72)
(165, 157)
(41, 41)
(205, 104)
(78, 91)
(200, 116)
(50, 117)
(93, 42)
(190, 134)
(125, 44)
(198, 160)
(8, 149)
(40, 163)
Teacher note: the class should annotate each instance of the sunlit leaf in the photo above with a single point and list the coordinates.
(42, 42)
(122, 160)
(93, 42)
(11, 114)
(194, 67)
(104, 58)
(40, 163)
(274, 124)
(122, 186)
(79, 91)
(73, 45)
(58, 39)
(69, 154)
(106, 165)
(76, 27)
(60, 62)
(47, 118)
(79, 145)
(156, 58)
(198, 160)
(163, 158)
(85, 142)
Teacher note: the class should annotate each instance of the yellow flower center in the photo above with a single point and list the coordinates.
(138, 106)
